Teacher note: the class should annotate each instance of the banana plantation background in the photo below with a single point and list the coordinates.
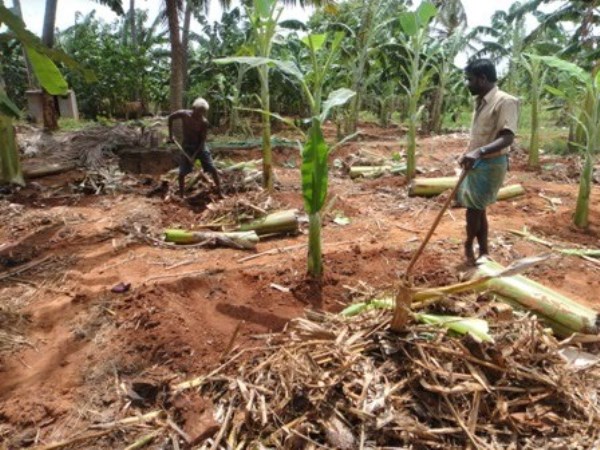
(160, 62)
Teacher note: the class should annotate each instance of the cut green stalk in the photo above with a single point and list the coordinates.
(359, 308)
(478, 328)
(242, 165)
(277, 222)
(376, 171)
(583, 253)
(557, 328)
(429, 187)
(540, 299)
(530, 237)
(10, 166)
(591, 252)
(235, 239)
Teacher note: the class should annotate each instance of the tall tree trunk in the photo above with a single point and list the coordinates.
(185, 41)
(49, 22)
(29, 70)
(48, 105)
(132, 23)
(176, 82)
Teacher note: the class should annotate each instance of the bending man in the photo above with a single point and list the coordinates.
(492, 132)
(195, 129)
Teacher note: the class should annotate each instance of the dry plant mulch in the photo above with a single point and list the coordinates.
(240, 208)
(351, 383)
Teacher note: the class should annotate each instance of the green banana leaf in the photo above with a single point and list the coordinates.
(412, 22)
(425, 12)
(47, 73)
(288, 67)
(263, 7)
(316, 40)
(7, 107)
(314, 169)
(338, 97)
(567, 67)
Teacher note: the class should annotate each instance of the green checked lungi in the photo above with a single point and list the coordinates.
(482, 183)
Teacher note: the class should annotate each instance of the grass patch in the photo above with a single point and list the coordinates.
(368, 117)
(69, 124)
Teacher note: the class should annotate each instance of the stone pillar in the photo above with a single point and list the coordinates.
(35, 105)
(67, 106)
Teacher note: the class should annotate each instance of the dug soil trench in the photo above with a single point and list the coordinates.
(69, 344)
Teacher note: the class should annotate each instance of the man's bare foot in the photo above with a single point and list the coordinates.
(469, 256)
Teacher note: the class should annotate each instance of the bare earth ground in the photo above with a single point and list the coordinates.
(79, 341)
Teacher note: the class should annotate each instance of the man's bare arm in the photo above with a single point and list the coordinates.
(173, 116)
(505, 139)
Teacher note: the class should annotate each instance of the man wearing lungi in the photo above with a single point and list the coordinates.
(492, 132)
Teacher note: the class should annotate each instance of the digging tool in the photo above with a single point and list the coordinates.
(192, 160)
(405, 293)
(180, 148)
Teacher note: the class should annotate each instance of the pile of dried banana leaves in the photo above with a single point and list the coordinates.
(329, 381)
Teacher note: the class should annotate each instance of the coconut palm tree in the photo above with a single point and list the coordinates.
(173, 8)
(583, 14)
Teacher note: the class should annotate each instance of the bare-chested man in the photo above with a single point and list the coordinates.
(195, 130)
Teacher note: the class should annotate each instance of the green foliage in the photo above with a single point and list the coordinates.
(13, 70)
(586, 107)
(226, 86)
(125, 72)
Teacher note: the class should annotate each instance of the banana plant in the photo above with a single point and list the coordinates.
(415, 26)
(537, 76)
(49, 78)
(586, 108)
(314, 169)
(264, 17)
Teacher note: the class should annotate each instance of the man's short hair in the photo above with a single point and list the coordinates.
(482, 68)
(200, 103)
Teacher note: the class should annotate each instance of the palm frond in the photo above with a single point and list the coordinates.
(115, 5)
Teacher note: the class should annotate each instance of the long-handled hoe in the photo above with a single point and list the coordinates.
(405, 293)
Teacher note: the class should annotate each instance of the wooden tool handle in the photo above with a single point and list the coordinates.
(415, 257)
